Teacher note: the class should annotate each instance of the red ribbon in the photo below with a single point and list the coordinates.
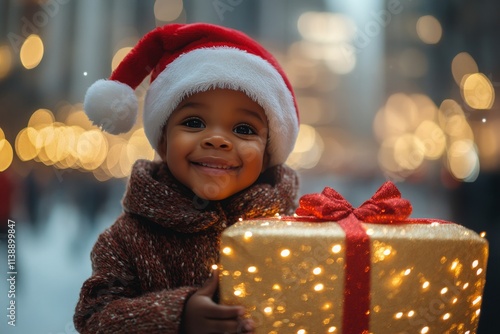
(385, 207)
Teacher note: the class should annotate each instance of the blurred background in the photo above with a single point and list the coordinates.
(400, 90)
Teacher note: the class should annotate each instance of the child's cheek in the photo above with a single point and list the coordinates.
(252, 152)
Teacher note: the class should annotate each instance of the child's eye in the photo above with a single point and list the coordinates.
(244, 129)
(193, 123)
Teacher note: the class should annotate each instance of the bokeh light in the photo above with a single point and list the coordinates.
(432, 138)
(31, 53)
(429, 29)
(5, 61)
(477, 91)
(463, 160)
(168, 10)
(6, 152)
(409, 151)
(308, 148)
(41, 118)
(328, 37)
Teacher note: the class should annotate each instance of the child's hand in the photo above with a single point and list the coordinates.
(203, 315)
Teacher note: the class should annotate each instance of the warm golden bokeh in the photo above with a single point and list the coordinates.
(77, 144)
(6, 153)
(477, 91)
(32, 51)
(168, 10)
(308, 149)
(328, 37)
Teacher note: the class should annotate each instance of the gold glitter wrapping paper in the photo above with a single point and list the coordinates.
(425, 278)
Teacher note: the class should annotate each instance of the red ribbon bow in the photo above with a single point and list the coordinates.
(385, 207)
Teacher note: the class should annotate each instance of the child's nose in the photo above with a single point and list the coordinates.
(217, 142)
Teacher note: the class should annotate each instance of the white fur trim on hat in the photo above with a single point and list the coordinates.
(112, 105)
(228, 68)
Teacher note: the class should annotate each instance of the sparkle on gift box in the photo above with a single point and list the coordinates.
(285, 253)
(336, 249)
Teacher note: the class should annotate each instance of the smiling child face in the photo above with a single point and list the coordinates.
(215, 143)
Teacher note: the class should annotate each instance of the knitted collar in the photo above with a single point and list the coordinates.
(155, 194)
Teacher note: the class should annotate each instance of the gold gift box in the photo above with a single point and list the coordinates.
(425, 278)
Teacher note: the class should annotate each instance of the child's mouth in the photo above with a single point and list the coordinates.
(215, 166)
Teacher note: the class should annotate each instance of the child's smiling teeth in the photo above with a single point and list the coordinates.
(214, 166)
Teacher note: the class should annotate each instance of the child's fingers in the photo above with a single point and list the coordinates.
(224, 312)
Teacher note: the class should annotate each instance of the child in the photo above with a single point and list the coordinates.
(222, 116)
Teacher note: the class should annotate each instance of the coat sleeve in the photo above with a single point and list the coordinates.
(111, 300)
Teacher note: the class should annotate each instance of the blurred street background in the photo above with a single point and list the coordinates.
(401, 90)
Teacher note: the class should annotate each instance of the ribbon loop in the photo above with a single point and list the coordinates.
(329, 205)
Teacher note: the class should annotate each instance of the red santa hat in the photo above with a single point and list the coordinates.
(184, 59)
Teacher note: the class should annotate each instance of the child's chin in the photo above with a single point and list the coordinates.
(213, 194)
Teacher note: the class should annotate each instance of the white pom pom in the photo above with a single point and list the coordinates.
(112, 105)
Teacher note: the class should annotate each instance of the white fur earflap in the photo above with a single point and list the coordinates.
(112, 105)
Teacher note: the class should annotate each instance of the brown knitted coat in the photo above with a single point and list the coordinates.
(162, 247)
